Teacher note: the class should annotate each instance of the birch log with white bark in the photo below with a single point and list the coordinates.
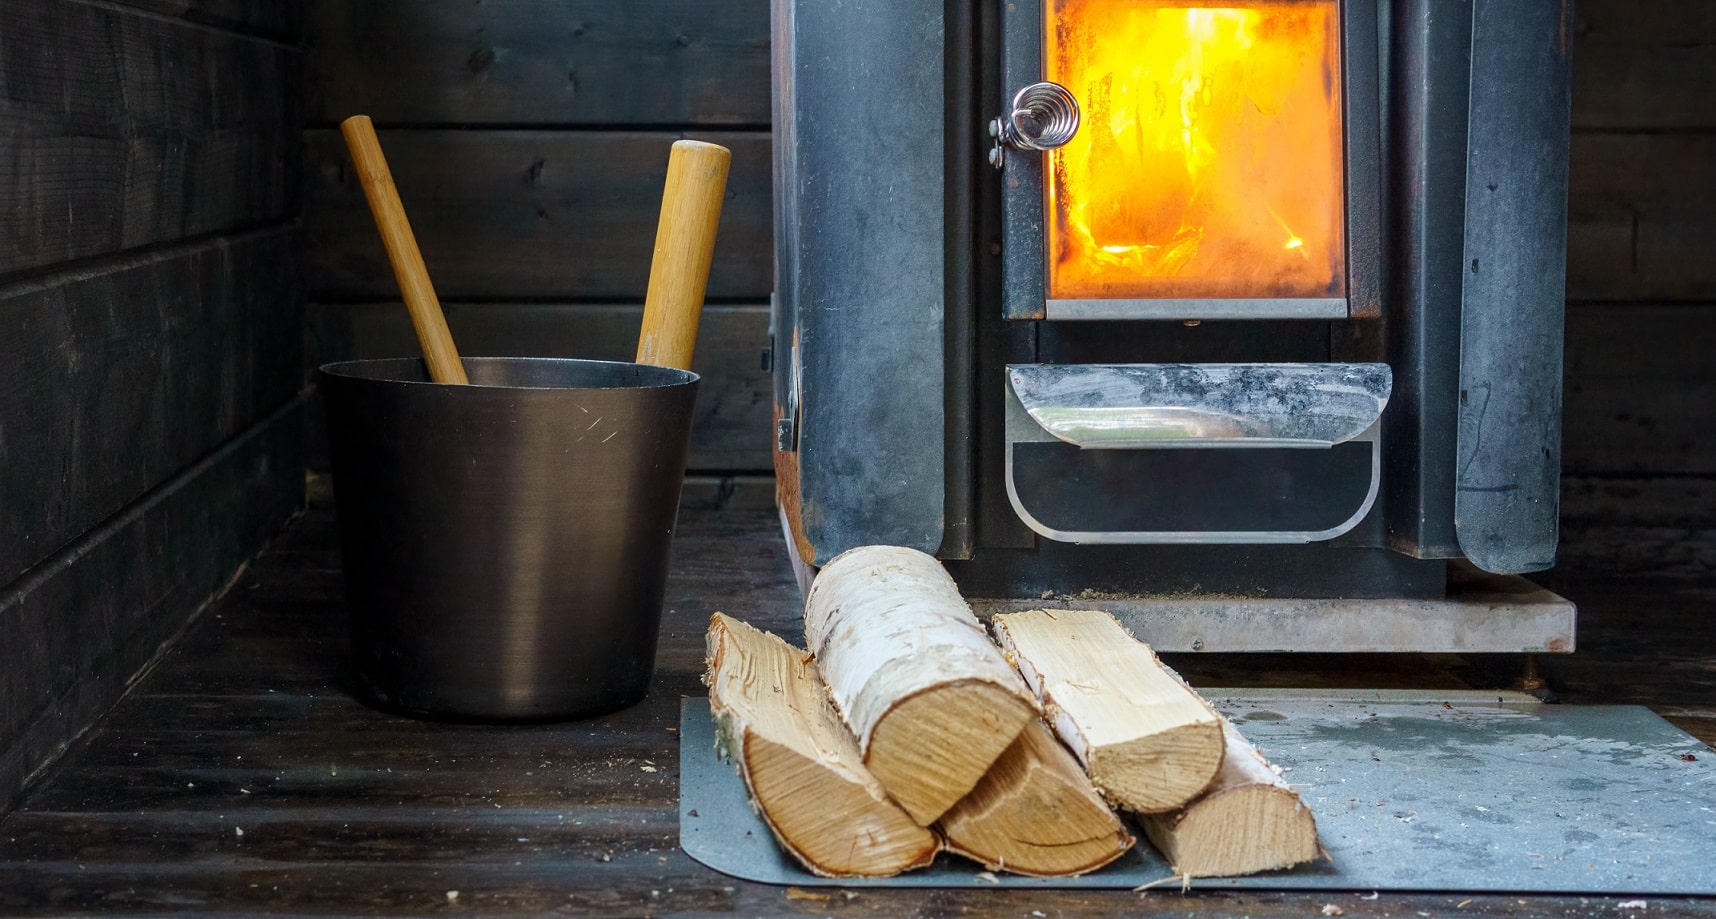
(1249, 820)
(801, 766)
(1149, 742)
(930, 699)
(1036, 813)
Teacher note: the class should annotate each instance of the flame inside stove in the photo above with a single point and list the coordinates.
(1208, 162)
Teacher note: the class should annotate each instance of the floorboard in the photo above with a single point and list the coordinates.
(241, 777)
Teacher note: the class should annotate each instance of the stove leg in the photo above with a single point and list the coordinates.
(1531, 680)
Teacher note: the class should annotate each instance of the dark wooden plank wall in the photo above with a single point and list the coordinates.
(150, 421)
(1639, 492)
(529, 141)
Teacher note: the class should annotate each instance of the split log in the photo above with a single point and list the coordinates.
(1249, 820)
(1149, 742)
(1035, 813)
(929, 697)
(802, 768)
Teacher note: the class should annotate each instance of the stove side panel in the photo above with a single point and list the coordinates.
(861, 216)
(1508, 477)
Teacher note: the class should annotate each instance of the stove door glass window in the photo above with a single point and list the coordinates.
(1208, 163)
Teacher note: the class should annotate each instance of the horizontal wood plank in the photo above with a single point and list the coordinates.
(1639, 385)
(1644, 66)
(637, 877)
(539, 62)
(79, 627)
(333, 834)
(527, 214)
(1641, 341)
(1659, 501)
(1641, 217)
(1662, 526)
(720, 493)
(123, 130)
(733, 421)
(278, 19)
(1638, 427)
(113, 380)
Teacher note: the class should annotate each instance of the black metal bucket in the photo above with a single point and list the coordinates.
(506, 543)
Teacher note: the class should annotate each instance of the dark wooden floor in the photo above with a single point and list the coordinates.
(240, 776)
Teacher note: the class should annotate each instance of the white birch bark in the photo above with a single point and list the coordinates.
(1148, 741)
(930, 699)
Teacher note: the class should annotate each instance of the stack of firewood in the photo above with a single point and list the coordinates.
(906, 730)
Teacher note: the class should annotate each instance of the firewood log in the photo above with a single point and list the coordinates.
(1249, 820)
(1149, 742)
(929, 697)
(802, 768)
(1035, 813)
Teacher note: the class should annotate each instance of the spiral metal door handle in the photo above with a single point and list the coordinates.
(1043, 116)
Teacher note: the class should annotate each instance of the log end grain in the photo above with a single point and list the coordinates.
(800, 764)
(1160, 771)
(930, 749)
(1240, 830)
(1035, 813)
(834, 826)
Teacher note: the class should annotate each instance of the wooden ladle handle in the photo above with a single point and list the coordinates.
(408, 267)
(684, 247)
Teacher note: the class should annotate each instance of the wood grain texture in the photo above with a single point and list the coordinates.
(439, 353)
(1035, 813)
(112, 381)
(1640, 341)
(539, 62)
(684, 245)
(805, 776)
(1248, 820)
(277, 19)
(1641, 217)
(1644, 66)
(1637, 443)
(1639, 493)
(1656, 525)
(1149, 742)
(527, 214)
(80, 626)
(1639, 383)
(730, 428)
(123, 130)
(1638, 426)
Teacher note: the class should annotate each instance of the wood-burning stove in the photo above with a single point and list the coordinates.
(1243, 320)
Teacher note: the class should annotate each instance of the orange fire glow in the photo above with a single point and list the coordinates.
(1208, 162)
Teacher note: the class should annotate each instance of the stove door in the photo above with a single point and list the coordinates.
(1224, 164)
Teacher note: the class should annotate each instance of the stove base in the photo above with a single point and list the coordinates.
(1478, 613)
(1482, 613)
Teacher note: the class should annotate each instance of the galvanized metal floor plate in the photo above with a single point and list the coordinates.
(1464, 791)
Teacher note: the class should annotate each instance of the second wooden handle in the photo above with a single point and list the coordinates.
(401, 244)
(684, 247)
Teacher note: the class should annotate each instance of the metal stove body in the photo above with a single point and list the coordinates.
(1244, 322)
